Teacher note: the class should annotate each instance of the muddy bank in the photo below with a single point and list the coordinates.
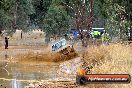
(56, 84)
(65, 78)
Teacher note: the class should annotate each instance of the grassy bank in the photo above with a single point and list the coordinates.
(111, 59)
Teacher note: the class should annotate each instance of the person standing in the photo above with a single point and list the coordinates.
(6, 43)
(21, 34)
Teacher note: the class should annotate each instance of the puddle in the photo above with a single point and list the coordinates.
(14, 75)
(11, 84)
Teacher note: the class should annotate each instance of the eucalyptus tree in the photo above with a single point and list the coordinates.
(14, 14)
(6, 15)
(117, 14)
(40, 10)
(57, 20)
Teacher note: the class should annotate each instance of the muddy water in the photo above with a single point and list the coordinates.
(14, 75)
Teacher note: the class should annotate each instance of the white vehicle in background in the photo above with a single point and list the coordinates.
(62, 48)
(59, 44)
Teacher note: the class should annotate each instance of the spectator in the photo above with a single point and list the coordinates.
(6, 43)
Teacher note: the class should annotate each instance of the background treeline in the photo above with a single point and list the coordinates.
(57, 16)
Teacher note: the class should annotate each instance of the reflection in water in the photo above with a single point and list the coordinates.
(16, 76)
(16, 84)
(11, 84)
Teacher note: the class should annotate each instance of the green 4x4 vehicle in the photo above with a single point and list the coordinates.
(100, 34)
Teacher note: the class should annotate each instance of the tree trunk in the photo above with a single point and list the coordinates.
(121, 18)
(15, 16)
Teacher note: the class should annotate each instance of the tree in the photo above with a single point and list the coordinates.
(6, 16)
(14, 14)
(24, 9)
(56, 20)
(41, 8)
(117, 15)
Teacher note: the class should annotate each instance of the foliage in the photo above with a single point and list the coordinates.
(56, 16)
(5, 14)
(14, 14)
(115, 13)
(41, 7)
(56, 20)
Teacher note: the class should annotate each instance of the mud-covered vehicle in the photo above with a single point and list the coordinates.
(63, 49)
